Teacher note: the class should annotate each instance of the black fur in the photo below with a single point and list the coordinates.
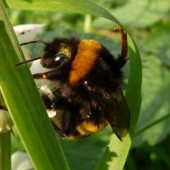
(96, 98)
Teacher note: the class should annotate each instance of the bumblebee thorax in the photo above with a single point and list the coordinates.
(85, 58)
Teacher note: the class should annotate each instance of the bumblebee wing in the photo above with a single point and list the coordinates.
(118, 116)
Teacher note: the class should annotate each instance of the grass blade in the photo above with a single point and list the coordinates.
(5, 151)
(76, 6)
(18, 88)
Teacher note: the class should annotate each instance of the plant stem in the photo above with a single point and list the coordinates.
(87, 24)
(5, 151)
(152, 124)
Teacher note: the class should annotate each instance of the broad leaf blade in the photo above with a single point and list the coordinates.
(21, 95)
(76, 6)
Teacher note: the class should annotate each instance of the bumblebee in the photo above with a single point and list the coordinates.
(89, 96)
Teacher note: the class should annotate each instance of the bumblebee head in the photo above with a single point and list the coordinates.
(59, 53)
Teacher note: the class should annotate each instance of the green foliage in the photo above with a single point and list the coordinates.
(36, 50)
(150, 157)
(38, 135)
(148, 22)
(142, 14)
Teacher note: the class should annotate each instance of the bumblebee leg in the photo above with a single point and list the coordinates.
(50, 75)
(67, 113)
(85, 111)
(68, 122)
(42, 75)
(58, 130)
(49, 104)
(47, 101)
(123, 57)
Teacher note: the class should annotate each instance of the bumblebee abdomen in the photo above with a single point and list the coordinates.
(88, 127)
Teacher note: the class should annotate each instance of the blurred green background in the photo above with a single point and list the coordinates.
(149, 23)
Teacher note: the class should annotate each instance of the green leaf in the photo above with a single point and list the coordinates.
(20, 94)
(5, 151)
(76, 6)
(157, 42)
(142, 13)
(156, 83)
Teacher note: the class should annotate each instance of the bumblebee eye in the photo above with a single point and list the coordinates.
(54, 61)
(59, 58)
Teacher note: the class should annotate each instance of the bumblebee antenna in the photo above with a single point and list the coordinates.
(32, 42)
(27, 61)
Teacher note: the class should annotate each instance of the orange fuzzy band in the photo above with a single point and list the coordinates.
(85, 58)
(87, 127)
